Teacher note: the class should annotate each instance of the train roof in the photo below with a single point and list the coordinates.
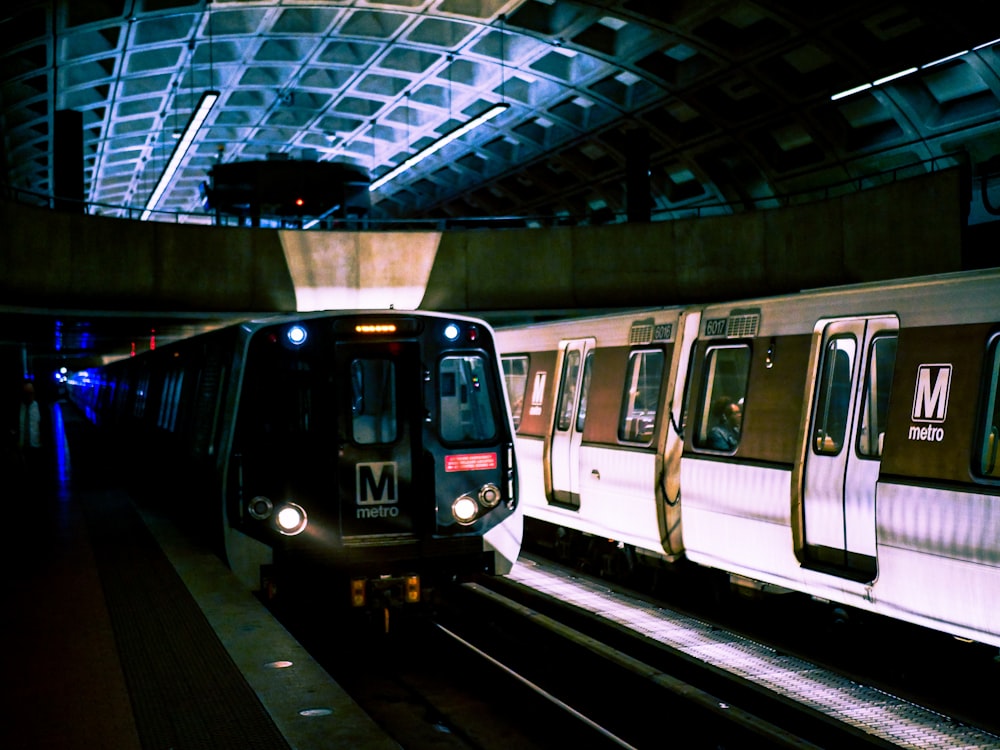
(962, 296)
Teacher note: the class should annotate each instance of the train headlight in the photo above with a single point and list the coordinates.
(296, 335)
(489, 495)
(291, 519)
(452, 332)
(464, 510)
(260, 508)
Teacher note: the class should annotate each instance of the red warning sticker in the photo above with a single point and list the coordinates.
(470, 462)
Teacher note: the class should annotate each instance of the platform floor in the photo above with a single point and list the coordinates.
(122, 634)
(874, 712)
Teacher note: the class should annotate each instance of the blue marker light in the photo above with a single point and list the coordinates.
(297, 335)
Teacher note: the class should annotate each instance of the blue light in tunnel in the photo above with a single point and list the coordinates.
(63, 467)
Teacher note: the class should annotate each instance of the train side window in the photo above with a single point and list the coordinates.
(640, 400)
(833, 401)
(878, 384)
(581, 412)
(373, 403)
(567, 390)
(989, 432)
(466, 405)
(170, 400)
(139, 407)
(515, 374)
(719, 417)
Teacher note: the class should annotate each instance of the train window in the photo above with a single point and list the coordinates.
(989, 435)
(373, 402)
(171, 400)
(641, 397)
(833, 401)
(567, 390)
(515, 373)
(581, 412)
(720, 410)
(878, 383)
(139, 407)
(466, 404)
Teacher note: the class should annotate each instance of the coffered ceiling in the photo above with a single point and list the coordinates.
(711, 101)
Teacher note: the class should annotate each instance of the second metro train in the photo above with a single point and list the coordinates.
(842, 442)
(369, 452)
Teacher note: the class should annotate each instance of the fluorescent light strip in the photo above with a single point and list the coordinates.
(944, 59)
(313, 222)
(205, 105)
(855, 90)
(894, 76)
(439, 144)
(907, 72)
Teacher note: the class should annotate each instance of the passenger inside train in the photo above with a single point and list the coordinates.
(725, 434)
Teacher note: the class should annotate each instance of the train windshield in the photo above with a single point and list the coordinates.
(465, 402)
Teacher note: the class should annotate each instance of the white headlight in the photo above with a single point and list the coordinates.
(464, 510)
(297, 335)
(451, 332)
(291, 519)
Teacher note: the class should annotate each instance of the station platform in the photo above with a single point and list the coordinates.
(119, 633)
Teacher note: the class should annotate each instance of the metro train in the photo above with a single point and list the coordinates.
(841, 442)
(371, 451)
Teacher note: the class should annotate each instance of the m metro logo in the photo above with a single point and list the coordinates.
(376, 490)
(537, 393)
(930, 402)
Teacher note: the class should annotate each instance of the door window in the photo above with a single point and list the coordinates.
(581, 412)
(833, 400)
(373, 401)
(567, 390)
(642, 396)
(989, 435)
(878, 384)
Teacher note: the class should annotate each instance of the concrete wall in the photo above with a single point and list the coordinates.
(54, 260)
(905, 229)
(72, 261)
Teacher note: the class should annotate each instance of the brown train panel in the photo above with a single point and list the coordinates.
(538, 425)
(604, 401)
(772, 410)
(773, 407)
(950, 458)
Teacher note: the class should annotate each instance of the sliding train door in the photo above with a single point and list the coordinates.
(842, 457)
(567, 432)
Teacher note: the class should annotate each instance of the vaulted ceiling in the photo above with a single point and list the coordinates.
(709, 101)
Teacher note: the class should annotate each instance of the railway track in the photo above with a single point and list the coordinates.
(635, 694)
(503, 665)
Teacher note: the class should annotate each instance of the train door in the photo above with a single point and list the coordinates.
(842, 459)
(668, 508)
(567, 432)
(379, 440)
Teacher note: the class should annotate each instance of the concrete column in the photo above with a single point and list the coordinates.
(67, 161)
(638, 200)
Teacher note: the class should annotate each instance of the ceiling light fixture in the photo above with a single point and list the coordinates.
(194, 124)
(908, 71)
(439, 144)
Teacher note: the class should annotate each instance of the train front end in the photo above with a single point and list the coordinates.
(373, 454)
